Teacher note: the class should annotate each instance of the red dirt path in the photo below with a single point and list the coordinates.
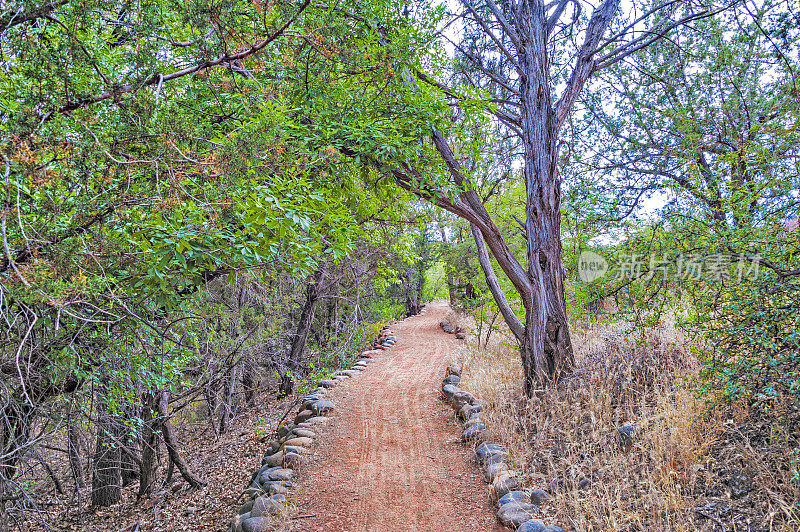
(390, 458)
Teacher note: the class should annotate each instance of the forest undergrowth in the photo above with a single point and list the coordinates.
(224, 462)
(628, 443)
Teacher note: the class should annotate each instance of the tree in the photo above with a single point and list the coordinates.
(707, 118)
(518, 55)
(708, 121)
(107, 479)
(146, 152)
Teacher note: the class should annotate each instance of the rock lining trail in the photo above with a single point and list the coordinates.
(391, 457)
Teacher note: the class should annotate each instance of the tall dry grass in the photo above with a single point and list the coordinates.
(566, 441)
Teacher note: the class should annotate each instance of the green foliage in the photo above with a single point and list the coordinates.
(435, 285)
(701, 128)
(117, 211)
(753, 327)
(164, 205)
(738, 297)
(383, 309)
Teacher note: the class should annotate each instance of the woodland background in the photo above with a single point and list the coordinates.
(208, 204)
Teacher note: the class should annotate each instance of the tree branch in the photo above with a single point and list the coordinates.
(488, 31)
(507, 28)
(14, 17)
(650, 36)
(508, 313)
(156, 78)
(551, 22)
(585, 64)
(24, 254)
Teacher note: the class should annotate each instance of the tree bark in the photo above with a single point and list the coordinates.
(516, 326)
(313, 293)
(546, 347)
(107, 478)
(150, 444)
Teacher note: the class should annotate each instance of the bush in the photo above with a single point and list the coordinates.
(753, 327)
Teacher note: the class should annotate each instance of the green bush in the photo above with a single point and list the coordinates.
(754, 339)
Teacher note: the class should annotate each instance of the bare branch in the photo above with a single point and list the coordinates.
(517, 328)
(585, 64)
(650, 36)
(488, 31)
(627, 28)
(551, 22)
(507, 28)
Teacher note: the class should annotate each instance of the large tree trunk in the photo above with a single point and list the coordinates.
(107, 479)
(546, 348)
(313, 293)
(545, 345)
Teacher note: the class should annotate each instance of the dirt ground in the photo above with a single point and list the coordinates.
(391, 458)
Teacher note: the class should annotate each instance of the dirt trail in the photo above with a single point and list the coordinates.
(390, 459)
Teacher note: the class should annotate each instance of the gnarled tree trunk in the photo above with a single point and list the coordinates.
(546, 347)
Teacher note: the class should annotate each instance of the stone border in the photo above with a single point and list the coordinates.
(449, 329)
(270, 485)
(516, 508)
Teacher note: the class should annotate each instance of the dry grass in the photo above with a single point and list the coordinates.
(566, 441)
